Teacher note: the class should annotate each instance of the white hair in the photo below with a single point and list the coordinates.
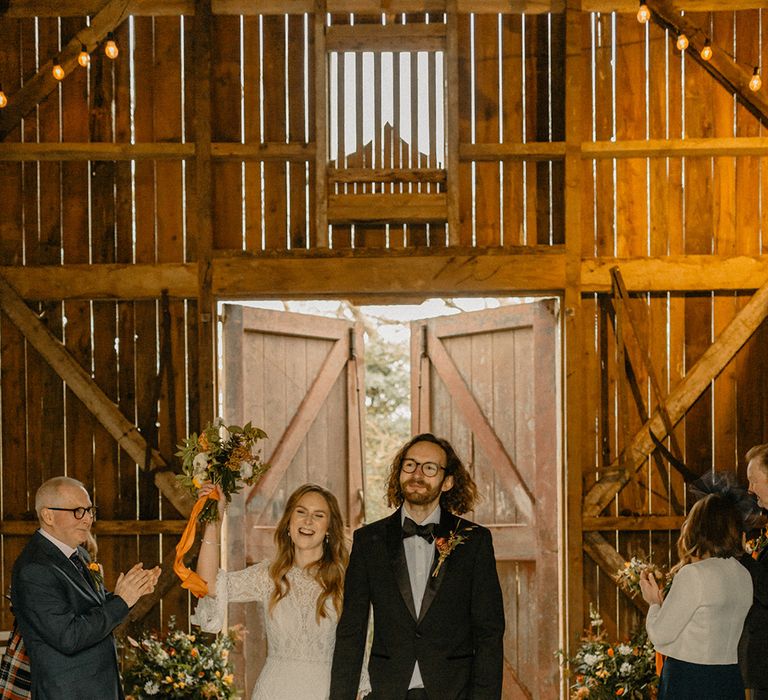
(49, 493)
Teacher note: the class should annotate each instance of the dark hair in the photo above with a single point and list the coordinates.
(759, 454)
(329, 570)
(712, 529)
(459, 499)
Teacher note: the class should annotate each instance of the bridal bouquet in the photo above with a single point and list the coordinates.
(601, 670)
(223, 454)
(180, 665)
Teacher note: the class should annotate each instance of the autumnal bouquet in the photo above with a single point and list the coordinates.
(180, 665)
(628, 577)
(223, 454)
(601, 670)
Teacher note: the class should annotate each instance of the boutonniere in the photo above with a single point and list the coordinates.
(97, 574)
(445, 545)
(757, 544)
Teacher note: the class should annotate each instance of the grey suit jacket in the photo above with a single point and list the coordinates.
(66, 624)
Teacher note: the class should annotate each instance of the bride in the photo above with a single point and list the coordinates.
(300, 591)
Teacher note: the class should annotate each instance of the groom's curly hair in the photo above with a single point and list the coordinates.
(459, 499)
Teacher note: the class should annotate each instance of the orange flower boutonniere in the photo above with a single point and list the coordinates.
(97, 575)
(445, 545)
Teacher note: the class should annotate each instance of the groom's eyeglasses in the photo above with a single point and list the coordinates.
(427, 468)
(79, 512)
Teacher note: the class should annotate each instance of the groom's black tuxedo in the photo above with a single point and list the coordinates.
(66, 624)
(456, 636)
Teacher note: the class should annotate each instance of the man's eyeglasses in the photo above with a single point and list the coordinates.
(409, 466)
(78, 512)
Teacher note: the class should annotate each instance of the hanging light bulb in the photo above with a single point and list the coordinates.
(682, 42)
(706, 52)
(3, 98)
(643, 14)
(110, 48)
(755, 83)
(58, 71)
(83, 58)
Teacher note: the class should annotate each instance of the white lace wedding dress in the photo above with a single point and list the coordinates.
(299, 650)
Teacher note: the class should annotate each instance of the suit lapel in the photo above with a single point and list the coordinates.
(58, 558)
(397, 560)
(448, 522)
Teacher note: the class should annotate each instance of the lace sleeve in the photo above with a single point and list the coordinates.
(252, 583)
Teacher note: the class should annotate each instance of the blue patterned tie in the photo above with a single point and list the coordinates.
(81, 567)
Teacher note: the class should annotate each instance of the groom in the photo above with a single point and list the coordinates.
(431, 579)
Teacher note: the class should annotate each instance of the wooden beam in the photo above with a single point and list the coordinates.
(610, 561)
(451, 61)
(95, 400)
(155, 8)
(290, 152)
(129, 528)
(389, 37)
(386, 175)
(386, 208)
(532, 151)
(164, 8)
(677, 273)
(387, 274)
(23, 101)
(733, 76)
(676, 148)
(681, 398)
(632, 523)
(321, 127)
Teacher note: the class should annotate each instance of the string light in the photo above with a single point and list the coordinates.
(83, 58)
(3, 98)
(706, 52)
(110, 48)
(755, 83)
(643, 14)
(58, 71)
(682, 42)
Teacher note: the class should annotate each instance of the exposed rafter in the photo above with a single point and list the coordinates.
(721, 66)
(23, 101)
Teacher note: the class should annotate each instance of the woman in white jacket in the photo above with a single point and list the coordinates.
(697, 627)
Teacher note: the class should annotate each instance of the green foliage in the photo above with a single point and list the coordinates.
(180, 666)
(221, 454)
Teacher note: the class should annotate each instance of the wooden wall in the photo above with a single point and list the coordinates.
(657, 169)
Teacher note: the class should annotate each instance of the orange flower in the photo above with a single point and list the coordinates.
(610, 651)
(620, 691)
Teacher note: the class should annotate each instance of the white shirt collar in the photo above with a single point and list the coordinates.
(433, 517)
(66, 550)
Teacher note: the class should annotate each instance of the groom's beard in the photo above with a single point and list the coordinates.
(420, 497)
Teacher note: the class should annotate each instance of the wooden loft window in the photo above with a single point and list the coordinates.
(386, 135)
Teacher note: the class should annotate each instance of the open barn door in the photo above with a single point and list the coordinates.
(299, 378)
(487, 381)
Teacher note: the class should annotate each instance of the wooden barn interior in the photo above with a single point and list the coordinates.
(386, 151)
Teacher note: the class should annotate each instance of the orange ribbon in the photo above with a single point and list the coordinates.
(659, 663)
(189, 579)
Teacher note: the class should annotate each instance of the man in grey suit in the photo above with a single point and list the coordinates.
(64, 614)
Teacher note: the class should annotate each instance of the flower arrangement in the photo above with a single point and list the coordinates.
(97, 574)
(601, 670)
(223, 454)
(757, 544)
(628, 577)
(446, 545)
(179, 665)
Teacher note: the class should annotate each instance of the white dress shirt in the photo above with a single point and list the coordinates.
(703, 614)
(419, 555)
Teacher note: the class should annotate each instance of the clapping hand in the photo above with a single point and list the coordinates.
(650, 589)
(136, 582)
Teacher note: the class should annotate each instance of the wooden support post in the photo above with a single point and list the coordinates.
(206, 304)
(321, 126)
(452, 121)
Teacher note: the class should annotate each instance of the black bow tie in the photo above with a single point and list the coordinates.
(427, 531)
